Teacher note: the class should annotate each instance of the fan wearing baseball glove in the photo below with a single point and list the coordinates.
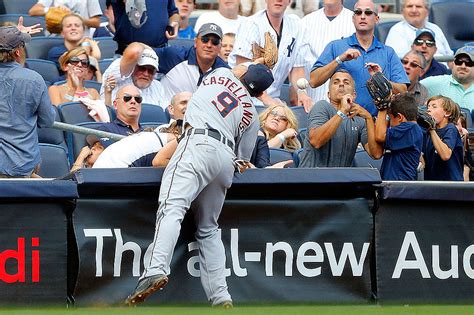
(397, 131)
(425, 120)
(380, 89)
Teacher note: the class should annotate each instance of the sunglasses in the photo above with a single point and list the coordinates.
(75, 61)
(127, 98)
(150, 69)
(427, 42)
(278, 116)
(467, 62)
(411, 63)
(214, 41)
(367, 12)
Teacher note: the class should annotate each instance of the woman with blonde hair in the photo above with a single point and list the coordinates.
(279, 125)
(75, 64)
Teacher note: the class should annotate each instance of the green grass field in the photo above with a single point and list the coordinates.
(257, 310)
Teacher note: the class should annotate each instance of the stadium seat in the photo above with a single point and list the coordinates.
(455, 19)
(87, 83)
(39, 46)
(192, 20)
(107, 46)
(302, 135)
(297, 157)
(382, 29)
(152, 113)
(467, 114)
(260, 108)
(285, 94)
(301, 116)
(46, 68)
(74, 113)
(362, 159)
(279, 155)
(54, 161)
(105, 63)
(52, 135)
(184, 42)
(27, 20)
(18, 6)
(77, 140)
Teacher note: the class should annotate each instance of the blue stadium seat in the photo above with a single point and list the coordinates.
(467, 114)
(105, 63)
(54, 161)
(87, 83)
(455, 19)
(27, 20)
(297, 157)
(192, 20)
(184, 42)
(39, 46)
(107, 46)
(19, 6)
(77, 140)
(46, 68)
(279, 155)
(74, 113)
(285, 94)
(52, 135)
(152, 113)
(362, 159)
(301, 116)
(382, 29)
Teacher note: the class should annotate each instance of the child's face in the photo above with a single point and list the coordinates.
(226, 48)
(435, 109)
(394, 120)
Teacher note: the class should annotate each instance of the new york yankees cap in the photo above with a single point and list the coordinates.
(210, 28)
(257, 79)
(11, 37)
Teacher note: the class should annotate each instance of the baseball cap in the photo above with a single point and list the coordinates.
(425, 31)
(92, 139)
(465, 50)
(257, 79)
(148, 58)
(210, 28)
(11, 37)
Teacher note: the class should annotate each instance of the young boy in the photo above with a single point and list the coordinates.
(442, 147)
(227, 46)
(402, 141)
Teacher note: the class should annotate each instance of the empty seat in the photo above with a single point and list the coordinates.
(46, 68)
(54, 160)
(152, 113)
(107, 46)
(459, 32)
(301, 116)
(285, 94)
(182, 42)
(19, 6)
(362, 159)
(105, 63)
(382, 29)
(27, 20)
(52, 135)
(279, 155)
(38, 47)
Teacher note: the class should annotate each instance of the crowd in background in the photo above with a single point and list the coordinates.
(334, 48)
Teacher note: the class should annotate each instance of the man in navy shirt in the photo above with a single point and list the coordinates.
(402, 141)
(425, 43)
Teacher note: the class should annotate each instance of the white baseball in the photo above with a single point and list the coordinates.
(302, 83)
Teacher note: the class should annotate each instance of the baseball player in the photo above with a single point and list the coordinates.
(220, 131)
(287, 32)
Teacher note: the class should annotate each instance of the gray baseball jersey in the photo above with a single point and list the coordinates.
(200, 172)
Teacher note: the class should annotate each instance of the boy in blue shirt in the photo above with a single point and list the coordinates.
(401, 137)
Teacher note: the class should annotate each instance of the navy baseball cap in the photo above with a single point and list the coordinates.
(257, 79)
(11, 37)
(425, 31)
(210, 28)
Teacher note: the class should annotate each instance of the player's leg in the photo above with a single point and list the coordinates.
(208, 206)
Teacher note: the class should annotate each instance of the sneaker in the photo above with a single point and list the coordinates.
(145, 288)
(225, 305)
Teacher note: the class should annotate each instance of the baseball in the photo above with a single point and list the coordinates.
(302, 83)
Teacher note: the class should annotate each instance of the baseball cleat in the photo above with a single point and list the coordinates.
(145, 288)
(225, 305)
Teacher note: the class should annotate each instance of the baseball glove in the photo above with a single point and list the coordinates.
(53, 19)
(267, 55)
(380, 90)
(425, 120)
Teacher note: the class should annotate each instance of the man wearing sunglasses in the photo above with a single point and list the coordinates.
(459, 85)
(415, 17)
(414, 62)
(426, 44)
(128, 107)
(361, 55)
(137, 66)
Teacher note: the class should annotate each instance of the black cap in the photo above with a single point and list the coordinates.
(11, 37)
(257, 79)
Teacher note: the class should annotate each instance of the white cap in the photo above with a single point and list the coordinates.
(148, 57)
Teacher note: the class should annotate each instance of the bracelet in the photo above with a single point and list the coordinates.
(339, 61)
(69, 97)
(281, 137)
(85, 44)
(341, 114)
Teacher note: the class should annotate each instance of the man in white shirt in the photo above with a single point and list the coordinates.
(401, 35)
(137, 66)
(227, 17)
(329, 23)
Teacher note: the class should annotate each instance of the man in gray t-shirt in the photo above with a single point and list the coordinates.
(336, 128)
